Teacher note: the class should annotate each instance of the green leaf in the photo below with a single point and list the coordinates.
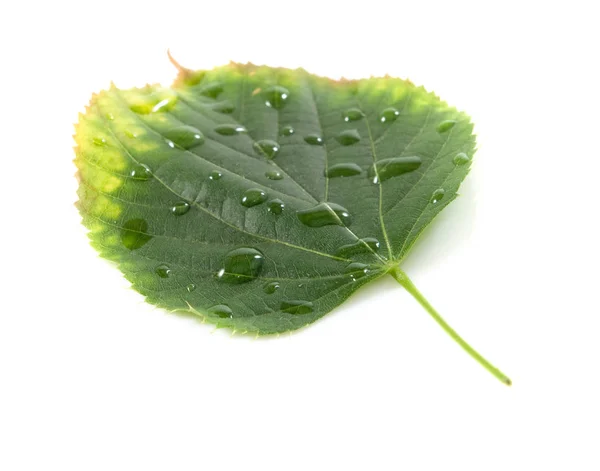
(258, 198)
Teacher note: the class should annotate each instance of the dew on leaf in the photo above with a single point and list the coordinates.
(230, 129)
(366, 245)
(325, 214)
(141, 172)
(215, 175)
(164, 271)
(287, 131)
(393, 167)
(314, 140)
(241, 265)
(348, 137)
(191, 287)
(99, 141)
(276, 96)
(271, 287)
(253, 197)
(180, 208)
(343, 170)
(275, 206)
(446, 125)
(267, 147)
(461, 159)
(221, 310)
(225, 107)
(356, 270)
(134, 234)
(274, 175)
(212, 90)
(185, 136)
(437, 195)
(296, 306)
(353, 114)
(389, 115)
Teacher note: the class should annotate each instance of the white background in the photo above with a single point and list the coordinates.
(92, 378)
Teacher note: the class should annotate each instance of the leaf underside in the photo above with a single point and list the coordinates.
(260, 198)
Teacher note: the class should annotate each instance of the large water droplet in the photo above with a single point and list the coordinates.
(296, 306)
(134, 233)
(215, 175)
(353, 114)
(446, 125)
(191, 287)
(180, 208)
(366, 245)
(141, 172)
(274, 175)
(461, 159)
(271, 287)
(212, 90)
(343, 170)
(252, 197)
(388, 168)
(267, 147)
(225, 107)
(348, 137)
(287, 131)
(275, 206)
(230, 129)
(325, 214)
(221, 310)
(241, 265)
(99, 141)
(164, 271)
(437, 195)
(389, 115)
(276, 96)
(314, 140)
(356, 270)
(185, 136)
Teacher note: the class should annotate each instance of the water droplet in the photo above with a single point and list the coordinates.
(325, 214)
(252, 197)
(437, 195)
(388, 168)
(271, 287)
(461, 159)
(287, 131)
(185, 136)
(130, 134)
(353, 114)
(348, 137)
(314, 140)
(225, 107)
(221, 310)
(163, 271)
(343, 170)
(366, 245)
(241, 265)
(99, 141)
(230, 129)
(276, 97)
(110, 116)
(170, 143)
(215, 175)
(212, 90)
(141, 172)
(180, 208)
(389, 115)
(356, 270)
(274, 175)
(275, 206)
(159, 101)
(191, 287)
(165, 104)
(134, 233)
(296, 306)
(267, 147)
(446, 125)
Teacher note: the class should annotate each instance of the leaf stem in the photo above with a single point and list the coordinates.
(401, 278)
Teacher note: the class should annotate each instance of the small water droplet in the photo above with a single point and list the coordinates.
(180, 208)
(230, 129)
(164, 105)
(241, 265)
(212, 90)
(253, 197)
(446, 125)
(164, 271)
(361, 246)
(271, 287)
(388, 168)
(215, 175)
(130, 134)
(353, 114)
(275, 206)
(348, 137)
(389, 115)
(437, 195)
(325, 214)
(141, 172)
(110, 116)
(296, 306)
(314, 140)
(99, 141)
(356, 270)
(170, 143)
(221, 310)
(274, 175)
(276, 96)
(225, 107)
(343, 170)
(461, 159)
(267, 147)
(134, 234)
(191, 287)
(287, 131)
(185, 136)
